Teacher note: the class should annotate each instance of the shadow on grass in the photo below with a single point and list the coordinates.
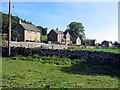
(87, 68)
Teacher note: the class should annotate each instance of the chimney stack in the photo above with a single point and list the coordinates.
(19, 21)
(56, 28)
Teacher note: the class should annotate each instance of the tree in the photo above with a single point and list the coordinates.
(43, 30)
(43, 33)
(76, 29)
(15, 20)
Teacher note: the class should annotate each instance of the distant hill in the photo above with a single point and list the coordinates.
(4, 28)
(15, 20)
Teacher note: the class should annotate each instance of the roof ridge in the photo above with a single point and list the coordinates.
(29, 26)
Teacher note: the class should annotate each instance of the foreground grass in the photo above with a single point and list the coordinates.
(46, 72)
(117, 51)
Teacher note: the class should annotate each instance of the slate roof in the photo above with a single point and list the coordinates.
(29, 27)
(58, 31)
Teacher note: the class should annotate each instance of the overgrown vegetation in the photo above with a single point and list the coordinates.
(52, 72)
(44, 38)
(76, 29)
(15, 20)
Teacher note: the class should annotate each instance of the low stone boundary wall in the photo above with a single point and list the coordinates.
(46, 46)
(35, 44)
(26, 44)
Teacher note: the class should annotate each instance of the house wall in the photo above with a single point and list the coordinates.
(60, 38)
(67, 38)
(31, 35)
(20, 31)
(52, 36)
(78, 41)
(110, 44)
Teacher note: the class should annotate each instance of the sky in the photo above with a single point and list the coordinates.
(100, 19)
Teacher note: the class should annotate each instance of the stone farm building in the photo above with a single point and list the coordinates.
(58, 36)
(55, 36)
(27, 32)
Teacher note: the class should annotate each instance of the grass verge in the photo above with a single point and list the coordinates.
(116, 51)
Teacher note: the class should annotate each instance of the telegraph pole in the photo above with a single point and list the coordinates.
(9, 32)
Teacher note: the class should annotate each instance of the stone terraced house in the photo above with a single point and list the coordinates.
(58, 36)
(55, 36)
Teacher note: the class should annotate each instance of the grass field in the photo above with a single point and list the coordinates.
(52, 72)
(99, 49)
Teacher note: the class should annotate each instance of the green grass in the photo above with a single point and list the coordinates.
(117, 51)
(52, 72)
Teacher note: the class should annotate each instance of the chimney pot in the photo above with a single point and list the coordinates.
(56, 28)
